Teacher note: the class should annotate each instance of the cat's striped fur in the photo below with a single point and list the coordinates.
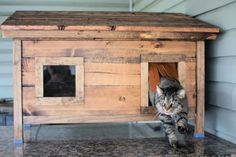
(172, 106)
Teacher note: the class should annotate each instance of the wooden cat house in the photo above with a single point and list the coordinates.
(86, 67)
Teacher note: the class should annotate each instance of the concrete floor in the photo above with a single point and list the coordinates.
(122, 139)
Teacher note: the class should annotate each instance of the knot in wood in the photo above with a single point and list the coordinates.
(122, 98)
(61, 27)
(158, 45)
(113, 28)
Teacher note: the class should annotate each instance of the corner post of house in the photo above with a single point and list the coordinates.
(17, 92)
(200, 110)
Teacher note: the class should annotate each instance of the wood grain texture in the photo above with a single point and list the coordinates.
(98, 100)
(187, 78)
(107, 51)
(86, 119)
(144, 84)
(165, 58)
(17, 92)
(106, 35)
(156, 46)
(94, 73)
(200, 113)
(122, 21)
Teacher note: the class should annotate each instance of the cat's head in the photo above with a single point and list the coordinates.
(170, 98)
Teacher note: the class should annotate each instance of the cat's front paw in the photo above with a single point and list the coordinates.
(184, 130)
(174, 116)
(173, 143)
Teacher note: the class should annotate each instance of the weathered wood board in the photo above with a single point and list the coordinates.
(104, 21)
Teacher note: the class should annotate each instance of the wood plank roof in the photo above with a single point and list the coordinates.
(116, 21)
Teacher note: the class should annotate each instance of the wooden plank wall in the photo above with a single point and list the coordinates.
(8, 7)
(220, 62)
(112, 81)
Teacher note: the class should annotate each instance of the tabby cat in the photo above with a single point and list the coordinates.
(172, 106)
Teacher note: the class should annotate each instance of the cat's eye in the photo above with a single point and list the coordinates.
(162, 102)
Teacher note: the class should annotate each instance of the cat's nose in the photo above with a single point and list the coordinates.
(168, 106)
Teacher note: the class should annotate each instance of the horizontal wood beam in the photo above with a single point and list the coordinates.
(166, 58)
(86, 119)
(104, 35)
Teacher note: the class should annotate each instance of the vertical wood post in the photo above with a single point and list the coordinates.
(144, 85)
(200, 111)
(17, 93)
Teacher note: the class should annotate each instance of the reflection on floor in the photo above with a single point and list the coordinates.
(122, 139)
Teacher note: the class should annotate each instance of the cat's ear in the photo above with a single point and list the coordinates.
(181, 93)
(159, 91)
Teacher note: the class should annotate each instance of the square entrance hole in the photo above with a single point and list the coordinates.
(59, 81)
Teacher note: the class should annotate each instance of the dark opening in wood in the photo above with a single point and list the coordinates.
(59, 81)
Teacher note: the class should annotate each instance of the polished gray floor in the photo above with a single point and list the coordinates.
(121, 139)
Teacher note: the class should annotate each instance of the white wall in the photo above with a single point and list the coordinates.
(7, 7)
(220, 61)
